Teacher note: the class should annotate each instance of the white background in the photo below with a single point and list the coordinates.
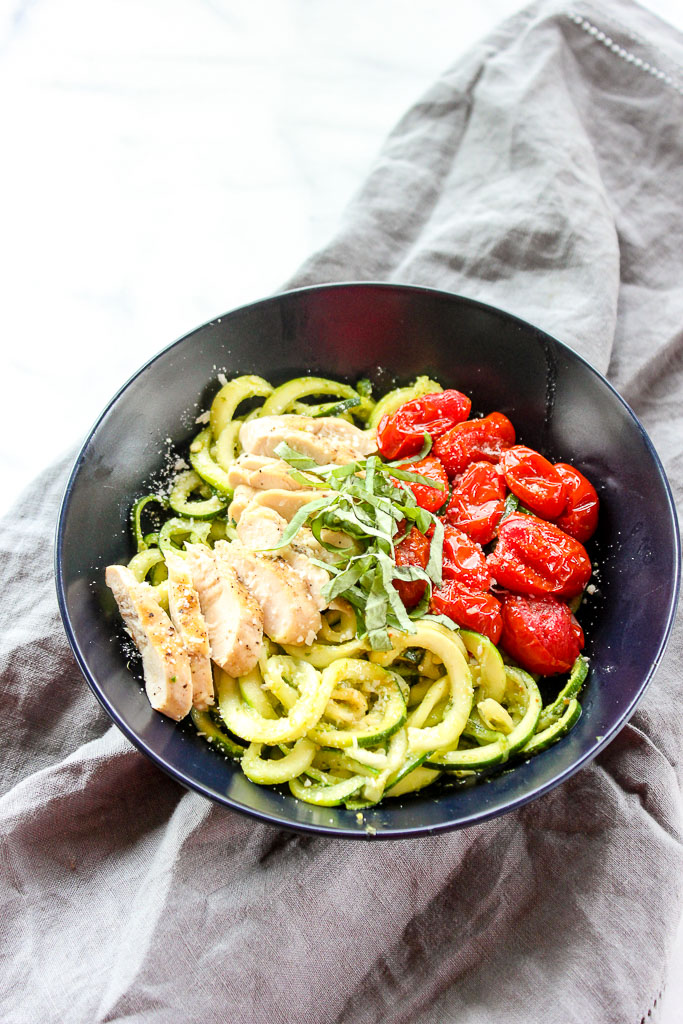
(166, 160)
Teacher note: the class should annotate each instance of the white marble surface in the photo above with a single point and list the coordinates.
(171, 160)
(166, 160)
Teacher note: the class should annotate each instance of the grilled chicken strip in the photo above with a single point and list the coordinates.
(261, 473)
(286, 503)
(261, 528)
(290, 612)
(325, 440)
(165, 662)
(240, 499)
(186, 616)
(233, 616)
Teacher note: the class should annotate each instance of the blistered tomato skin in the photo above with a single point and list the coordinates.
(474, 441)
(463, 560)
(402, 435)
(431, 498)
(535, 557)
(478, 611)
(478, 501)
(534, 480)
(580, 515)
(412, 550)
(540, 633)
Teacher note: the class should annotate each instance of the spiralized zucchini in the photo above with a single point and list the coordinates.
(337, 721)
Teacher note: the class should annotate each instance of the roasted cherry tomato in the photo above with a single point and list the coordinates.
(412, 550)
(430, 498)
(535, 557)
(580, 515)
(477, 611)
(463, 560)
(402, 434)
(540, 633)
(478, 501)
(473, 441)
(534, 480)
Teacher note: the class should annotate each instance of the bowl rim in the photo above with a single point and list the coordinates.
(334, 831)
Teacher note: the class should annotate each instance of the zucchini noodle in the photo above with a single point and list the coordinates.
(359, 714)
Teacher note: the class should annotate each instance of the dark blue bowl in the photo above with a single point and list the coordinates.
(391, 333)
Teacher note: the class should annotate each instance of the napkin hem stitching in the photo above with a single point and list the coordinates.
(623, 53)
(653, 1006)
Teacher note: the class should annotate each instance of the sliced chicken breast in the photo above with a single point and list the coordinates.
(306, 542)
(186, 616)
(233, 616)
(327, 439)
(261, 528)
(290, 612)
(240, 499)
(301, 550)
(285, 503)
(165, 662)
(261, 473)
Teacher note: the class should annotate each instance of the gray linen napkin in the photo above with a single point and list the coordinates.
(543, 173)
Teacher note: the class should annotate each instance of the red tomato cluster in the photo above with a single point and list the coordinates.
(402, 435)
(517, 593)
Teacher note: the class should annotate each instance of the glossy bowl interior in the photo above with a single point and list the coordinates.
(391, 333)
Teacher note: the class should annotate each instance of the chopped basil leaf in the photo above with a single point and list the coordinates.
(422, 519)
(294, 458)
(365, 503)
(418, 478)
(443, 619)
(337, 408)
(420, 610)
(436, 554)
(379, 639)
(447, 500)
(513, 504)
(344, 580)
(422, 454)
(298, 521)
(306, 481)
